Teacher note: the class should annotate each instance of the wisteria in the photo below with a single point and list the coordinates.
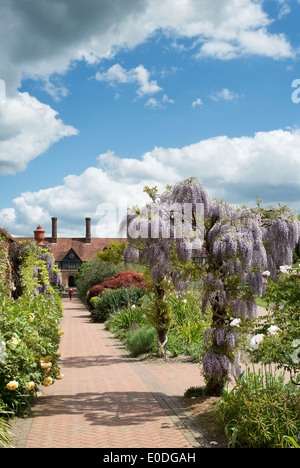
(239, 245)
(45, 274)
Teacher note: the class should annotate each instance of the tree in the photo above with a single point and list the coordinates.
(156, 239)
(114, 253)
(239, 243)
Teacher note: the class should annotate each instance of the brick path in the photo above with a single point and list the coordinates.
(107, 399)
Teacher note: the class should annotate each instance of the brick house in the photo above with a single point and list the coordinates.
(70, 252)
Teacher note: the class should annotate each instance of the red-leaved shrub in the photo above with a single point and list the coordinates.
(124, 279)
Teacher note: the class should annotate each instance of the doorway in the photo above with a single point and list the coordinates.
(71, 281)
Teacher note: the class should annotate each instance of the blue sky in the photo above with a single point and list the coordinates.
(104, 97)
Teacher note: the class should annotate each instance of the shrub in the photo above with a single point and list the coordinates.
(260, 411)
(29, 330)
(111, 300)
(280, 329)
(92, 273)
(123, 320)
(142, 340)
(122, 280)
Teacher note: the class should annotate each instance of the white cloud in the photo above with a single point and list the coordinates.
(197, 102)
(225, 94)
(27, 129)
(49, 37)
(230, 168)
(139, 75)
(154, 103)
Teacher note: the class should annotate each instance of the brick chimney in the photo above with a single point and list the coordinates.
(88, 230)
(39, 235)
(54, 231)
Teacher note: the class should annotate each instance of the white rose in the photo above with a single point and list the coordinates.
(273, 330)
(256, 341)
(235, 323)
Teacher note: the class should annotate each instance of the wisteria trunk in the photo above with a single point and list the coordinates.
(162, 341)
(215, 372)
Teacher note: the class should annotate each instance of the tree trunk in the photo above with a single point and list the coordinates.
(162, 342)
(214, 383)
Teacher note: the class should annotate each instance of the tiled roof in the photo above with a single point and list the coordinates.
(84, 251)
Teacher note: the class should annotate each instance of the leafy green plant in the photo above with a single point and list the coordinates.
(123, 319)
(5, 429)
(113, 300)
(260, 411)
(142, 340)
(30, 331)
(280, 329)
(189, 322)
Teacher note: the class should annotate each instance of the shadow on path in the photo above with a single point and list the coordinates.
(105, 409)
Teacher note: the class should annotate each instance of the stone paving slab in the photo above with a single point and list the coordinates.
(107, 399)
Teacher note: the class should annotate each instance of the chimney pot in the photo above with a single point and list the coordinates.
(39, 235)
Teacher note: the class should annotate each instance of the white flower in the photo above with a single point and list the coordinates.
(273, 330)
(133, 306)
(266, 273)
(284, 268)
(235, 323)
(256, 341)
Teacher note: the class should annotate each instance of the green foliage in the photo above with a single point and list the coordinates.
(280, 344)
(189, 322)
(185, 333)
(142, 340)
(5, 429)
(29, 332)
(260, 411)
(113, 254)
(96, 272)
(92, 273)
(113, 299)
(29, 327)
(124, 319)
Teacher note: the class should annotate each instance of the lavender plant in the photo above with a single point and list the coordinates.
(239, 244)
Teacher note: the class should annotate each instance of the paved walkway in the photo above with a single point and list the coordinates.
(107, 399)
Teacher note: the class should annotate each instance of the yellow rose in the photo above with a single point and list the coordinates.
(30, 318)
(29, 386)
(60, 332)
(12, 385)
(60, 376)
(45, 365)
(47, 381)
(47, 358)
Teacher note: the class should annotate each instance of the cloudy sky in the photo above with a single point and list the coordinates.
(99, 98)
